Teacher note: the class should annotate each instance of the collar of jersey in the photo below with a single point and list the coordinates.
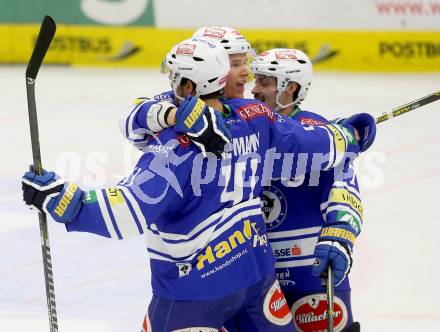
(295, 111)
(227, 111)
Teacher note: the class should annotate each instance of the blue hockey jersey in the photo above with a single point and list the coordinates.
(201, 217)
(296, 210)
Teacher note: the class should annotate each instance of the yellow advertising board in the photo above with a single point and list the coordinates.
(354, 51)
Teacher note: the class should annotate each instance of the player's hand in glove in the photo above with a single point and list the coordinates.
(203, 125)
(158, 114)
(50, 194)
(334, 248)
(365, 126)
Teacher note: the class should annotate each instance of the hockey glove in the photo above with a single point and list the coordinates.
(365, 124)
(334, 247)
(50, 194)
(157, 116)
(203, 125)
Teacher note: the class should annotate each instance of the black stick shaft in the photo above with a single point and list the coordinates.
(408, 107)
(330, 303)
(44, 39)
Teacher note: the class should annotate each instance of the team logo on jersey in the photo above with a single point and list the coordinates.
(252, 111)
(274, 207)
(186, 49)
(310, 313)
(184, 269)
(275, 306)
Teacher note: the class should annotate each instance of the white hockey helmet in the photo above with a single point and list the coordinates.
(200, 60)
(232, 40)
(286, 65)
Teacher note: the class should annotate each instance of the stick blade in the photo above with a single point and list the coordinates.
(44, 39)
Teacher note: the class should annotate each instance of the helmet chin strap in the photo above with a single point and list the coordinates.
(280, 106)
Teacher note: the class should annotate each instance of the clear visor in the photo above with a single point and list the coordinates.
(163, 67)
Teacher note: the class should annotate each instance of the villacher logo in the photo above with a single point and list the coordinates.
(310, 313)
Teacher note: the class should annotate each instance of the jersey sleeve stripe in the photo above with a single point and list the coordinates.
(105, 214)
(294, 238)
(135, 205)
(130, 130)
(133, 213)
(293, 259)
(110, 214)
(219, 222)
(122, 216)
(292, 263)
(126, 122)
(189, 249)
(338, 206)
(344, 197)
(223, 213)
(294, 233)
(350, 188)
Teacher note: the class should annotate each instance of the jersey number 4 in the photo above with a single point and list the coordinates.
(239, 184)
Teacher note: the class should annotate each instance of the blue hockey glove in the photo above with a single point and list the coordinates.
(203, 125)
(334, 247)
(50, 194)
(365, 124)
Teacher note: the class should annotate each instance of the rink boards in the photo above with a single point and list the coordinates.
(134, 46)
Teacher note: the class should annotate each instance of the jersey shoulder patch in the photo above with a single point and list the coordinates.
(311, 119)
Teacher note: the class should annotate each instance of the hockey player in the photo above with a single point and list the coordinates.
(286, 99)
(300, 212)
(209, 257)
(239, 51)
(135, 121)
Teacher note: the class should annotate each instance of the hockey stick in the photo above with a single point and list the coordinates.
(354, 327)
(45, 36)
(408, 107)
(330, 292)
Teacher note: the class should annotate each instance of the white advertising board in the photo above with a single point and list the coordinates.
(300, 14)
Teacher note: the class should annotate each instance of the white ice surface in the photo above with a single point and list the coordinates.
(103, 285)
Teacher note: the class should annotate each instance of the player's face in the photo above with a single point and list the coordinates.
(265, 89)
(237, 76)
